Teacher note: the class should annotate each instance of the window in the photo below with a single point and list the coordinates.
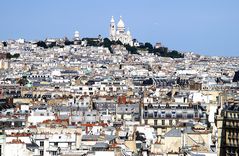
(155, 122)
(145, 122)
(90, 88)
(41, 152)
(163, 122)
(54, 153)
(174, 114)
(145, 108)
(55, 143)
(155, 114)
(41, 143)
(145, 114)
(170, 122)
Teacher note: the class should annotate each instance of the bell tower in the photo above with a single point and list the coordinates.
(112, 30)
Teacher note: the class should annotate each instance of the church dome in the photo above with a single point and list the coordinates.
(77, 34)
(120, 23)
(128, 32)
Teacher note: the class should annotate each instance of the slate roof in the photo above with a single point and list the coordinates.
(110, 137)
(32, 145)
(90, 137)
(101, 145)
(173, 133)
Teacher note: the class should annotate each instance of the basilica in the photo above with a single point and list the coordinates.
(119, 33)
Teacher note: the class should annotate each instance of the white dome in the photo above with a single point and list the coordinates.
(77, 34)
(120, 23)
(128, 32)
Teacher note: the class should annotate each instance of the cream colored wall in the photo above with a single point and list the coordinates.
(157, 148)
(199, 138)
(172, 144)
(213, 95)
(22, 100)
(219, 128)
(159, 121)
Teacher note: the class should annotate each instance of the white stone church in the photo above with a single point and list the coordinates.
(119, 33)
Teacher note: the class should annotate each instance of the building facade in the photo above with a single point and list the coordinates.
(228, 130)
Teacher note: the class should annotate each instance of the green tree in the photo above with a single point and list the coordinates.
(148, 46)
(107, 42)
(10, 56)
(132, 50)
(41, 44)
(4, 44)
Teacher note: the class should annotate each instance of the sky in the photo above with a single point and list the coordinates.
(208, 27)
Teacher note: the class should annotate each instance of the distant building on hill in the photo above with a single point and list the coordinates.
(119, 33)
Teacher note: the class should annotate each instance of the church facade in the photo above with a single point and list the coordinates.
(119, 33)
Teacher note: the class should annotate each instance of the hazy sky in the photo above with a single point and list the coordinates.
(203, 26)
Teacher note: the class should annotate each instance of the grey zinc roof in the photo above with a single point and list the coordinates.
(110, 137)
(173, 133)
(90, 137)
(101, 145)
(32, 145)
(110, 128)
(189, 130)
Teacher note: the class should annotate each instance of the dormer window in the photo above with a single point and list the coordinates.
(155, 114)
(145, 114)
